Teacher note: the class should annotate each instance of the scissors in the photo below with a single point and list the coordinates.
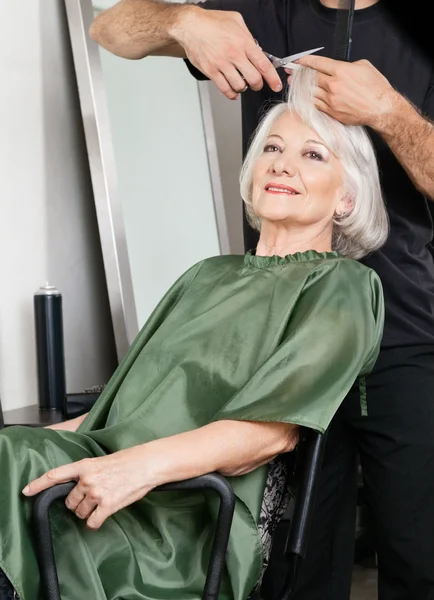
(288, 61)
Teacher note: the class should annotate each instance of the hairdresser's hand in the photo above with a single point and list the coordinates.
(104, 485)
(219, 44)
(353, 93)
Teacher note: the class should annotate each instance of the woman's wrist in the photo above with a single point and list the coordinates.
(155, 462)
(70, 425)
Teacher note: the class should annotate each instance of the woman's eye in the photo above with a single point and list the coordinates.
(271, 148)
(314, 155)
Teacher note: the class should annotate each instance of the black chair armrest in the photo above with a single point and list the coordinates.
(44, 542)
(309, 469)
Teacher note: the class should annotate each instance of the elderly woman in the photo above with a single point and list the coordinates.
(240, 352)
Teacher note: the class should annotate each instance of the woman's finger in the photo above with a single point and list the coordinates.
(97, 518)
(73, 499)
(70, 472)
(86, 507)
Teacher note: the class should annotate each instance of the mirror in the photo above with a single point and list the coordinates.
(155, 171)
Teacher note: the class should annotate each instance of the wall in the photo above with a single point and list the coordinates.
(47, 225)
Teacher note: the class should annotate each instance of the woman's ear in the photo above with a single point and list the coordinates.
(344, 207)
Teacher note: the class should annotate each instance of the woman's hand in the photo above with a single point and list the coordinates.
(104, 485)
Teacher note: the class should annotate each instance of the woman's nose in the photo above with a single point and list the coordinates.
(283, 166)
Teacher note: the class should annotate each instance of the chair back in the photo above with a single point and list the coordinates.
(307, 470)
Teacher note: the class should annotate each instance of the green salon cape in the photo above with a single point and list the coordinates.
(236, 337)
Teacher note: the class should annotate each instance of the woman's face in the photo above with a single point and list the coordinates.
(297, 180)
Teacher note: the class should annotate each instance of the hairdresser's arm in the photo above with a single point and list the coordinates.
(71, 425)
(137, 28)
(109, 483)
(358, 94)
(216, 42)
(411, 138)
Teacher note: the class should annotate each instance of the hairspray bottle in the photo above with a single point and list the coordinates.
(47, 304)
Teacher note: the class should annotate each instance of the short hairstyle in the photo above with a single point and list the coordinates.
(365, 227)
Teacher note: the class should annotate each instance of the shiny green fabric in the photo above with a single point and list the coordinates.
(253, 338)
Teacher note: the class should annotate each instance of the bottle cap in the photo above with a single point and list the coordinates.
(47, 290)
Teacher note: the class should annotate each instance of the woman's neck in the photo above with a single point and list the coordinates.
(280, 241)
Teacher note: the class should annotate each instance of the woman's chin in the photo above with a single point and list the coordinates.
(279, 218)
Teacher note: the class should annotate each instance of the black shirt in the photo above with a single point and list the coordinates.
(405, 264)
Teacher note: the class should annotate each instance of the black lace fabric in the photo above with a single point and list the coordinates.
(7, 592)
(277, 495)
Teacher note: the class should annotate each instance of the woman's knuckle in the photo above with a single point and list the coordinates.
(87, 480)
(98, 495)
(52, 474)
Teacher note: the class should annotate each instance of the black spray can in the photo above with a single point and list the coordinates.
(47, 303)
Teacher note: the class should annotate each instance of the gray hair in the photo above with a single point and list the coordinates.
(365, 227)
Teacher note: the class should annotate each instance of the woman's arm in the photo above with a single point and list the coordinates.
(109, 483)
(229, 447)
(71, 425)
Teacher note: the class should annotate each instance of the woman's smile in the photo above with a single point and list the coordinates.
(280, 188)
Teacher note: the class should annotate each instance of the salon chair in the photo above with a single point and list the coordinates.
(305, 465)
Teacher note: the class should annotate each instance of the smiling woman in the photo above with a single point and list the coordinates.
(241, 352)
(331, 167)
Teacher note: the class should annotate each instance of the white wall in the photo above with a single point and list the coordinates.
(47, 221)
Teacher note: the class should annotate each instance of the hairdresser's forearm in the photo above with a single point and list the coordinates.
(229, 447)
(137, 28)
(411, 138)
(71, 425)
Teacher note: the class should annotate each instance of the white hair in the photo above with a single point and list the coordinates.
(365, 227)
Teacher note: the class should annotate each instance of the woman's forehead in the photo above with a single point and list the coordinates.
(290, 126)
